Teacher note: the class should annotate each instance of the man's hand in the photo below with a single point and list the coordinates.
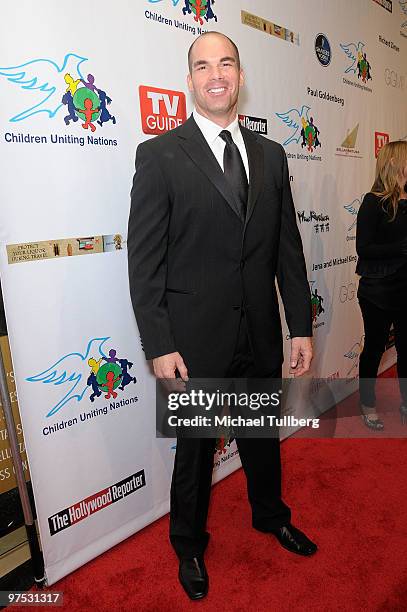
(301, 355)
(165, 368)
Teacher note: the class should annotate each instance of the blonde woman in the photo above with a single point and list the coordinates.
(381, 244)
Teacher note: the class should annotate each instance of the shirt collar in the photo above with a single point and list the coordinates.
(211, 130)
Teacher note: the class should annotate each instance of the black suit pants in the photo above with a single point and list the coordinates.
(192, 475)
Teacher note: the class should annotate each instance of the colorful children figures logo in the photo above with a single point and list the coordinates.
(200, 9)
(316, 305)
(111, 375)
(359, 65)
(309, 134)
(296, 118)
(49, 87)
(363, 68)
(70, 374)
(87, 103)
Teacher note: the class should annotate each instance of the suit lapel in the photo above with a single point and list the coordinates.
(255, 155)
(196, 147)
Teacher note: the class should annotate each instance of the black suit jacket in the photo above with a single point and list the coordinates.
(194, 263)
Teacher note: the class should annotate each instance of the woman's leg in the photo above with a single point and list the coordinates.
(377, 326)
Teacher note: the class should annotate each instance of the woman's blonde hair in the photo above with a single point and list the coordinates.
(390, 165)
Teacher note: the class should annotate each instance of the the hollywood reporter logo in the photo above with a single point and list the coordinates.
(161, 109)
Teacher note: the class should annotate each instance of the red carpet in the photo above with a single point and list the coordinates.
(349, 495)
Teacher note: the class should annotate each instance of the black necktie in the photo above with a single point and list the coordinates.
(235, 172)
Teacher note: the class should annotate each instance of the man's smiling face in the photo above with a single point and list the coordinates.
(215, 78)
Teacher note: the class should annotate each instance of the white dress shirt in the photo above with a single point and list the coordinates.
(211, 132)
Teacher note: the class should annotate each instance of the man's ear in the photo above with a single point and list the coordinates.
(189, 83)
(241, 78)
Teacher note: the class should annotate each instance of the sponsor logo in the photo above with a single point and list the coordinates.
(353, 354)
(53, 87)
(320, 221)
(323, 50)
(325, 95)
(255, 124)
(200, 9)
(348, 146)
(303, 129)
(386, 4)
(64, 247)
(268, 27)
(347, 292)
(317, 308)
(357, 64)
(380, 139)
(320, 383)
(63, 92)
(93, 372)
(403, 25)
(199, 12)
(94, 503)
(352, 208)
(161, 109)
(394, 79)
(389, 44)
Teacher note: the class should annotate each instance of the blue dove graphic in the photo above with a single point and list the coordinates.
(353, 209)
(352, 51)
(70, 371)
(292, 119)
(43, 78)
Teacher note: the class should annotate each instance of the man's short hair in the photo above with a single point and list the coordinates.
(236, 50)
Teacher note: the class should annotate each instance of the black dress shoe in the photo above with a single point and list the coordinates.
(193, 577)
(294, 540)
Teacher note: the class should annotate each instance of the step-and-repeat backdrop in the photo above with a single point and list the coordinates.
(80, 88)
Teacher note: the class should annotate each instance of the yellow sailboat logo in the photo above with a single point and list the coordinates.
(350, 140)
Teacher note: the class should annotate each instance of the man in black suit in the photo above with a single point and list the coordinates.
(212, 224)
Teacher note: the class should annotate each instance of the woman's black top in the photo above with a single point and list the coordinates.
(381, 245)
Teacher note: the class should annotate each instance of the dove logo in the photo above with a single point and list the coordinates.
(380, 139)
(76, 373)
(161, 109)
(54, 86)
(357, 65)
(302, 128)
(352, 208)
